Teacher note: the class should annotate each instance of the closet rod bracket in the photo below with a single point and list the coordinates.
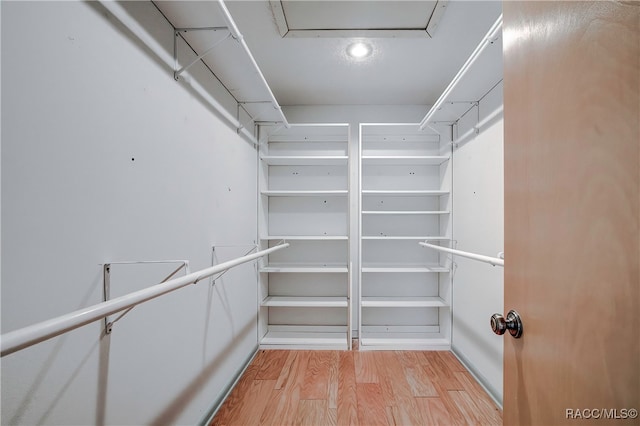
(106, 285)
(178, 32)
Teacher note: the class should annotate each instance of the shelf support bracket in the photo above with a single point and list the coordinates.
(251, 118)
(106, 286)
(212, 280)
(178, 33)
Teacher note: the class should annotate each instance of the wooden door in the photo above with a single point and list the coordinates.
(572, 195)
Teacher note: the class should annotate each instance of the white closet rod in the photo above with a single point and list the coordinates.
(235, 33)
(487, 40)
(22, 338)
(492, 260)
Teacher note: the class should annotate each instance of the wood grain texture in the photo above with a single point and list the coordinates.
(254, 403)
(405, 409)
(334, 367)
(315, 412)
(273, 409)
(316, 380)
(347, 398)
(481, 400)
(572, 208)
(371, 404)
(386, 381)
(438, 369)
(322, 388)
(434, 412)
(286, 411)
(286, 369)
(418, 381)
(452, 363)
(455, 414)
(366, 370)
(271, 370)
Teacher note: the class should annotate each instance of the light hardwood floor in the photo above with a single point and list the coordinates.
(357, 388)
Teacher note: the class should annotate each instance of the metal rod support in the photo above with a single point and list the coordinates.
(480, 125)
(492, 260)
(22, 338)
(177, 73)
(108, 323)
(213, 279)
(253, 102)
(185, 30)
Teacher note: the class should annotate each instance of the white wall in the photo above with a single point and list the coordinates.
(105, 157)
(354, 115)
(478, 222)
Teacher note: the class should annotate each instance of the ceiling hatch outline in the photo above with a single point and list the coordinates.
(287, 27)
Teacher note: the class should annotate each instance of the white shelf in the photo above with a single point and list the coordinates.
(306, 193)
(404, 341)
(408, 160)
(399, 268)
(405, 212)
(403, 302)
(403, 237)
(404, 193)
(290, 268)
(304, 340)
(306, 237)
(305, 302)
(306, 138)
(305, 160)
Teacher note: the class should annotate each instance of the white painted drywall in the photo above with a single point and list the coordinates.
(104, 158)
(478, 218)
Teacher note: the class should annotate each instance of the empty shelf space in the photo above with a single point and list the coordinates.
(304, 340)
(306, 237)
(405, 212)
(306, 193)
(392, 160)
(403, 237)
(403, 341)
(305, 302)
(309, 268)
(403, 268)
(403, 302)
(405, 193)
(305, 160)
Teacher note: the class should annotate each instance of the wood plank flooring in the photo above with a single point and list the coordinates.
(282, 387)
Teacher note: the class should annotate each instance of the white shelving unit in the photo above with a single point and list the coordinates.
(405, 293)
(304, 295)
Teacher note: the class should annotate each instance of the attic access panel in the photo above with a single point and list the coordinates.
(317, 18)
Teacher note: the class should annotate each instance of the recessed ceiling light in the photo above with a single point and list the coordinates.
(359, 50)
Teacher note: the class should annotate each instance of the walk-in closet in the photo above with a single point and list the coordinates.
(278, 212)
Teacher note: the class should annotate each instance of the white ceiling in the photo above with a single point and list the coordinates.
(403, 70)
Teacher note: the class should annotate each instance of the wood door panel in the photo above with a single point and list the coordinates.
(572, 219)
